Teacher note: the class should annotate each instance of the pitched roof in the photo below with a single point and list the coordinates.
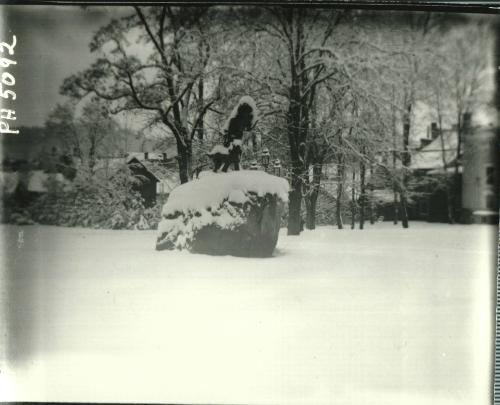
(146, 166)
(38, 179)
(431, 155)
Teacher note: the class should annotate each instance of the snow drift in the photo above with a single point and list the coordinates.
(234, 213)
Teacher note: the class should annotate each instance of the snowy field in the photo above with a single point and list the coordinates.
(382, 316)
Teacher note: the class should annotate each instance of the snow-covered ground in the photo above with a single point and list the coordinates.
(381, 316)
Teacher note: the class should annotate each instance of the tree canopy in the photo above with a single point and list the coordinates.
(334, 87)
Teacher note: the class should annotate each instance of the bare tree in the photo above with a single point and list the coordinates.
(165, 77)
(303, 64)
(89, 135)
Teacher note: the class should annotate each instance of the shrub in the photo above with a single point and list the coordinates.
(102, 203)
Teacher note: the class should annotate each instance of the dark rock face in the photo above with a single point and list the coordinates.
(254, 232)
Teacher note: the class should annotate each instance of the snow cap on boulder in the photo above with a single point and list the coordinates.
(209, 191)
(237, 213)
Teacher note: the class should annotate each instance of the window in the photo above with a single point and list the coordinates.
(490, 175)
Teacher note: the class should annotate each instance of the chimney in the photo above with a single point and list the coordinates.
(146, 155)
(434, 130)
(466, 123)
(424, 142)
(164, 154)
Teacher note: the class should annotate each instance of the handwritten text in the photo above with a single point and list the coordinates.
(7, 81)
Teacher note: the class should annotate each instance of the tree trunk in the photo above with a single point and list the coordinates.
(340, 193)
(371, 207)
(92, 155)
(396, 211)
(309, 223)
(311, 214)
(338, 207)
(449, 203)
(404, 209)
(297, 121)
(183, 166)
(394, 156)
(404, 212)
(184, 155)
(201, 127)
(362, 188)
(406, 164)
(294, 204)
(371, 200)
(447, 188)
(297, 152)
(353, 200)
(313, 197)
(460, 128)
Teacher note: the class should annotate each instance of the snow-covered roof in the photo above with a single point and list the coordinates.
(38, 179)
(143, 164)
(35, 181)
(384, 195)
(108, 166)
(162, 172)
(449, 169)
(102, 167)
(166, 173)
(109, 163)
(431, 155)
(137, 155)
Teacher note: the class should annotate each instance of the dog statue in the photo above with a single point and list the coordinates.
(236, 131)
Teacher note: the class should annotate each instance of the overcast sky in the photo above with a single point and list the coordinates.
(52, 43)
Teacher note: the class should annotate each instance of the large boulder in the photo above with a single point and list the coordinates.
(236, 213)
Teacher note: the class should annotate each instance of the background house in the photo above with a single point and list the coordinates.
(157, 173)
(480, 176)
(153, 170)
(34, 157)
(471, 176)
